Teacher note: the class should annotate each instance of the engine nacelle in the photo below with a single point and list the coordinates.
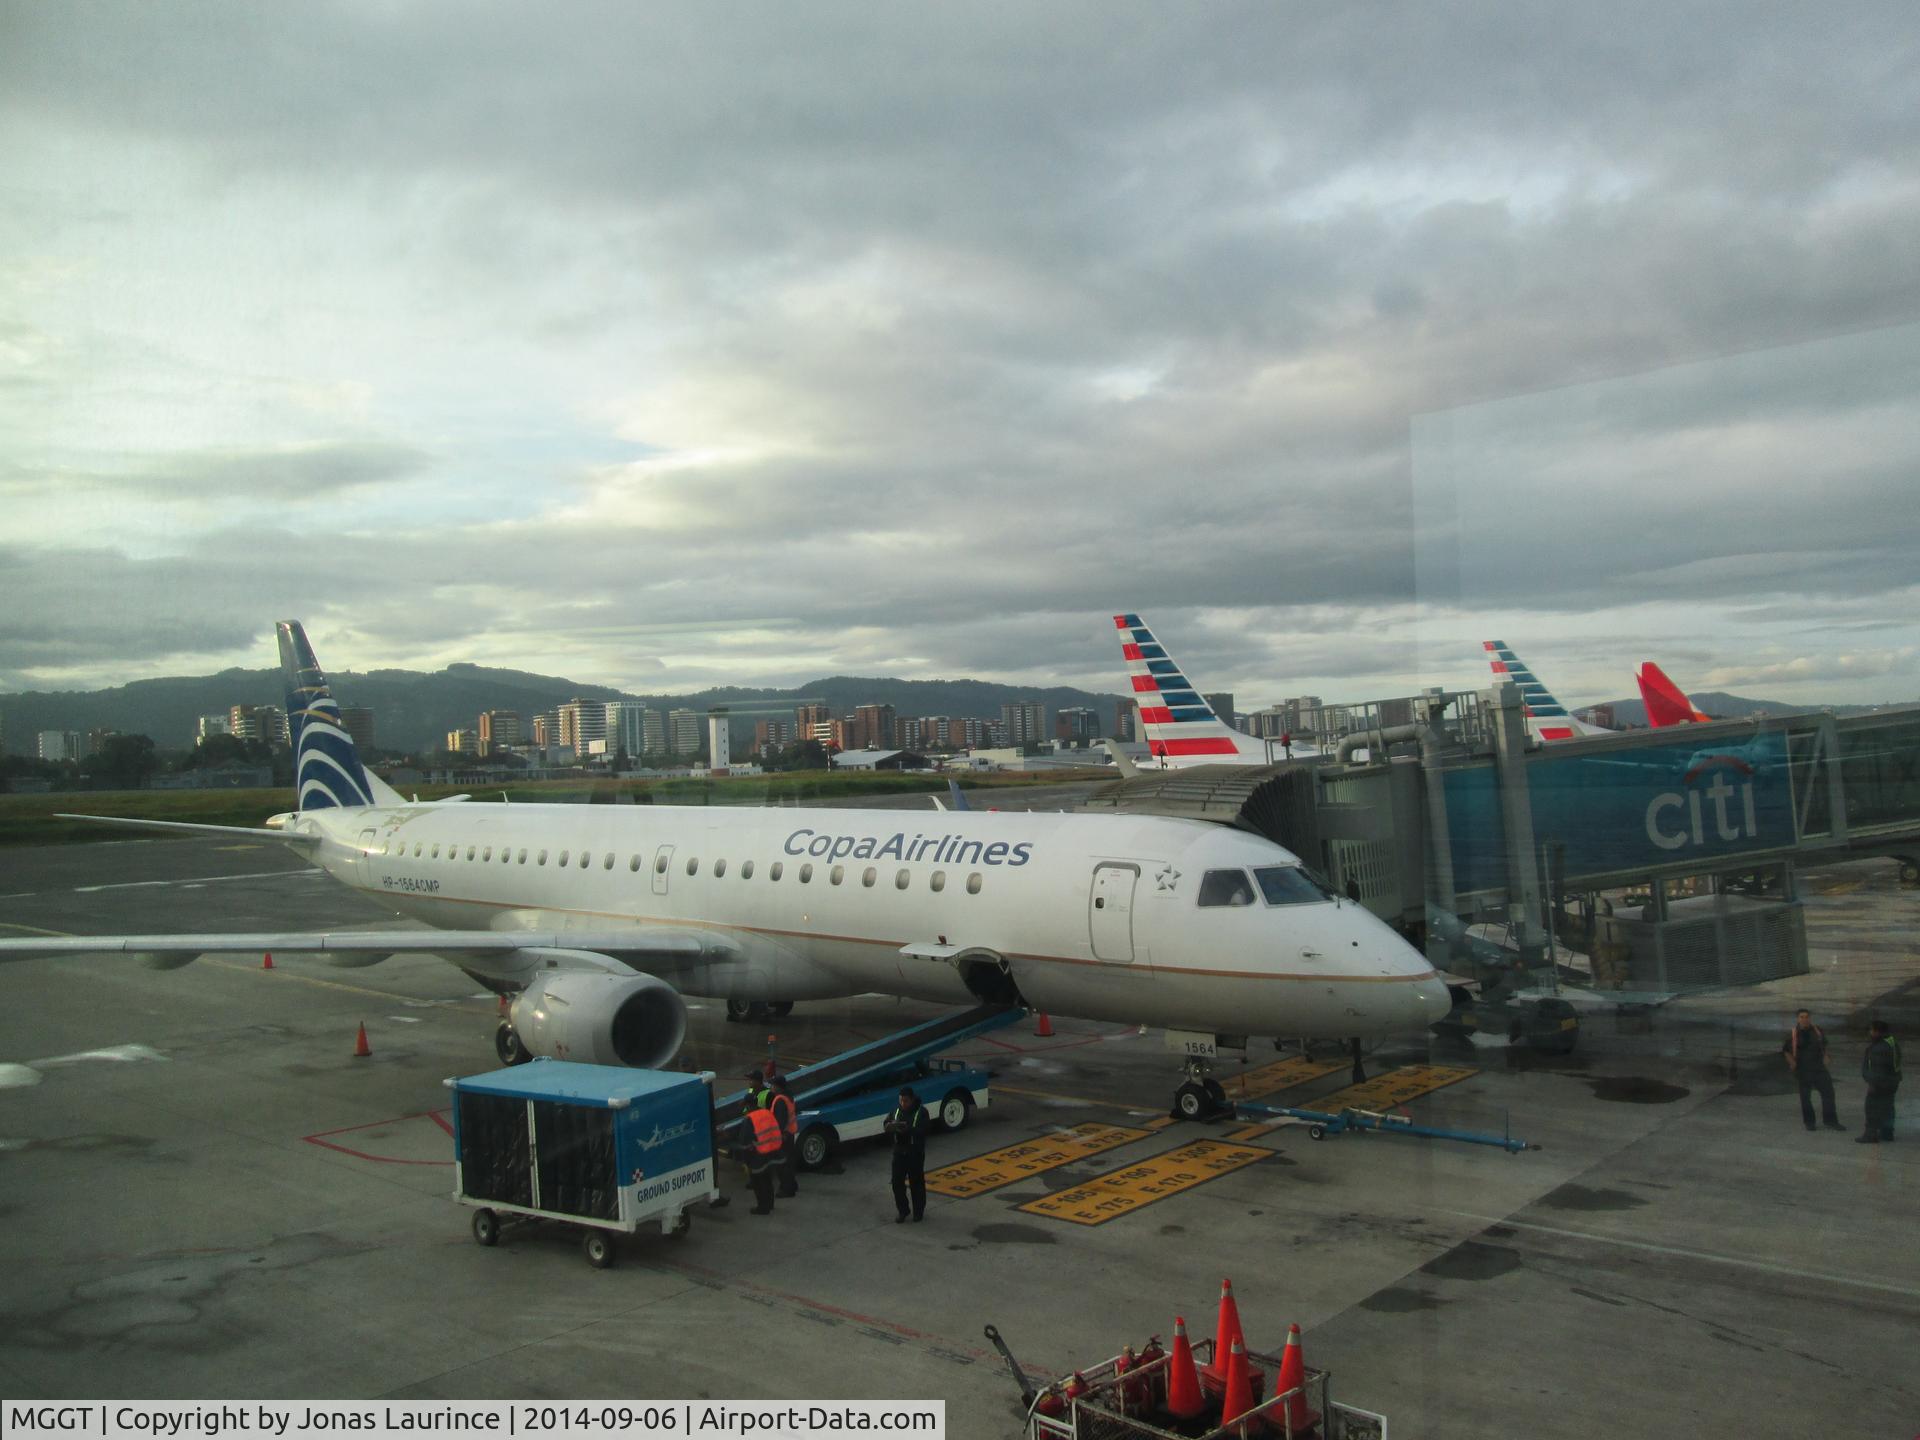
(601, 1019)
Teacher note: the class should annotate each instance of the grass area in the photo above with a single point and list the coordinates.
(30, 819)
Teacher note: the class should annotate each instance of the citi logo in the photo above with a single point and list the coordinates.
(1678, 819)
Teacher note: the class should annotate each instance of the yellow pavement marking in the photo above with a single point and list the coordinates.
(1257, 1132)
(1161, 1123)
(1125, 1191)
(1839, 887)
(1278, 1075)
(1396, 1087)
(1015, 1162)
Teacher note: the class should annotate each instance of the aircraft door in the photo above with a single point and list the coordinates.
(1110, 911)
(366, 858)
(662, 868)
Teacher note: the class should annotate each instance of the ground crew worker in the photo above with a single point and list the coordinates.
(908, 1127)
(1880, 1068)
(760, 1148)
(780, 1101)
(1806, 1052)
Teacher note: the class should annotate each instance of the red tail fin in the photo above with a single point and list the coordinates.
(1666, 703)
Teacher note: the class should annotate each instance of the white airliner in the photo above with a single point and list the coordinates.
(598, 918)
(1179, 724)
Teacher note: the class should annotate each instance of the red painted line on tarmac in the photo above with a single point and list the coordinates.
(320, 1138)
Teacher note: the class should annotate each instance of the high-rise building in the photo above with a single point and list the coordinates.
(976, 731)
(1124, 714)
(1023, 722)
(546, 728)
(626, 727)
(258, 722)
(1222, 703)
(683, 732)
(498, 729)
(581, 723)
(719, 740)
(653, 732)
(805, 717)
(463, 742)
(98, 737)
(872, 727)
(210, 725)
(771, 735)
(1077, 725)
(58, 744)
(357, 721)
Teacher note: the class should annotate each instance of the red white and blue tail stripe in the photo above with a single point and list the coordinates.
(1547, 718)
(1177, 722)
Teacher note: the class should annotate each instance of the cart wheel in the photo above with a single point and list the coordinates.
(1316, 1132)
(954, 1109)
(815, 1146)
(682, 1229)
(1191, 1102)
(486, 1227)
(779, 1009)
(599, 1248)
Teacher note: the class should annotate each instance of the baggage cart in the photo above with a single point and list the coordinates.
(601, 1148)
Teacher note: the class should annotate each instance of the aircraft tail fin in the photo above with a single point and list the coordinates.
(1175, 718)
(327, 773)
(1547, 718)
(1667, 703)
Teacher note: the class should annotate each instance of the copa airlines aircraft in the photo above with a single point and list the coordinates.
(1180, 725)
(598, 918)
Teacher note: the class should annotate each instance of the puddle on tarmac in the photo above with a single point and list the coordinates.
(1470, 1260)
(1636, 1090)
(1013, 1235)
(1397, 1300)
(1580, 1197)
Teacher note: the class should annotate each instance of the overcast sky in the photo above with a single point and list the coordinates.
(665, 346)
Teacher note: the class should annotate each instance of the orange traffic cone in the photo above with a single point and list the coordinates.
(1183, 1381)
(1226, 1331)
(266, 962)
(1045, 1028)
(1293, 1376)
(360, 1047)
(1238, 1399)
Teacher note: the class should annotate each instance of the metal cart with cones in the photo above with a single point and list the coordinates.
(1125, 1398)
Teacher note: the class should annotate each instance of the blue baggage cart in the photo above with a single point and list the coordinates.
(600, 1147)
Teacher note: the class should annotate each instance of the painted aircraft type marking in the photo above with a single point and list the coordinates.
(1396, 1087)
(1128, 1190)
(1002, 1167)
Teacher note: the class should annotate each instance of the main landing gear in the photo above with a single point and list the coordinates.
(1202, 1097)
(740, 1011)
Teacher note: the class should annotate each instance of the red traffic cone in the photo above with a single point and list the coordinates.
(1183, 1381)
(266, 961)
(1293, 1376)
(360, 1047)
(1045, 1028)
(1226, 1331)
(1238, 1399)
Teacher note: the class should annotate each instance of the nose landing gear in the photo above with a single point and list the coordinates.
(1202, 1097)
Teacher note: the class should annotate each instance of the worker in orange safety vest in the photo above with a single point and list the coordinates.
(759, 1147)
(779, 1100)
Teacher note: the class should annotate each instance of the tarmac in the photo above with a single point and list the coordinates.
(203, 1193)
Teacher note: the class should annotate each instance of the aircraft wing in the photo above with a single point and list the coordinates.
(183, 827)
(648, 948)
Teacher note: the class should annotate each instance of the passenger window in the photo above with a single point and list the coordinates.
(746, 869)
(774, 870)
(806, 873)
(607, 864)
(506, 855)
(1291, 885)
(562, 861)
(693, 865)
(868, 876)
(719, 869)
(586, 859)
(418, 846)
(937, 881)
(469, 852)
(973, 883)
(1225, 887)
(436, 853)
(837, 874)
(660, 864)
(523, 857)
(633, 864)
(486, 855)
(902, 880)
(541, 858)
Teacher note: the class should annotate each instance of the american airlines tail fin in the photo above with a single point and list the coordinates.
(1547, 719)
(1667, 703)
(327, 773)
(1179, 724)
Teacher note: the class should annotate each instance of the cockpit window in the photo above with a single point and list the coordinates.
(1225, 887)
(1290, 885)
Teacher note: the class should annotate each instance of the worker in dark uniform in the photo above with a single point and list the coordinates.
(760, 1148)
(1880, 1068)
(908, 1127)
(779, 1099)
(1806, 1052)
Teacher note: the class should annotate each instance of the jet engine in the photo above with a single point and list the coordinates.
(600, 1019)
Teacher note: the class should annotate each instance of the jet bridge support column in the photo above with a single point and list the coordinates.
(1509, 715)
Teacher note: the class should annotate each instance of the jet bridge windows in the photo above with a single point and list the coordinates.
(1225, 887)
(1291, 885)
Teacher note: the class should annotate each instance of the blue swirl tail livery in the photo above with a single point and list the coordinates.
(327, 773)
